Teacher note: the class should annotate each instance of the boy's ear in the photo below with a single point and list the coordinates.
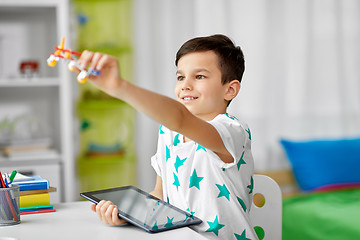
(232, 90)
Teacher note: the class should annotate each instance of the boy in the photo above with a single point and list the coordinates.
(203, 162)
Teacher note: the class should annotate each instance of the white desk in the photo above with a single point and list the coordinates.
(76, 221)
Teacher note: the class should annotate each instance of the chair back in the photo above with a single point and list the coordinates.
(266, 208)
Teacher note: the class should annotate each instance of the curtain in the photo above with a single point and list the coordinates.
(302, 67)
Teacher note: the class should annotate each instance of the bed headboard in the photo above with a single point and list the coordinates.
(285, 179)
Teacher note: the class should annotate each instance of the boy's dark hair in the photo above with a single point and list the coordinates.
(231, 57)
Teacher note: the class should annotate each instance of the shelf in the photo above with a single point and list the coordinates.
(29, 30)
(14, 162)
(29, 82)
(27, 3)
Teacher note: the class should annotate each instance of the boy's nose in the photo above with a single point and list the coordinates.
(186, 85)
(185, 88)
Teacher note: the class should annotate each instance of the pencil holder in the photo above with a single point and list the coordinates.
(10, 205)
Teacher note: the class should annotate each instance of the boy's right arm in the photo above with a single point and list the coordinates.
(158, 191)
(164, 110)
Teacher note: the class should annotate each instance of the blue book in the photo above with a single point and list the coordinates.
(35, 184)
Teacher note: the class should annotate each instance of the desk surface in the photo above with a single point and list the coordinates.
(76, 221)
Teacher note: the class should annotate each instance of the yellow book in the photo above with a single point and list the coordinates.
(35, 200)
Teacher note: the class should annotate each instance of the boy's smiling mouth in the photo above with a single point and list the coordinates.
(188, 98)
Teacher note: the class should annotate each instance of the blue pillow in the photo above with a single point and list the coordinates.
(318, 163)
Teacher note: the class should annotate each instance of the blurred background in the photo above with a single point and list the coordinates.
(302, 79)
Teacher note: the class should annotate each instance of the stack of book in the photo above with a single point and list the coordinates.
(34, 194)
(27, 148)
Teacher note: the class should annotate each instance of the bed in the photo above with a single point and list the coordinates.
(322, 215)
(327, 202)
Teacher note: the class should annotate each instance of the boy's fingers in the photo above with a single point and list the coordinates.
(103, 209)
(105, 59)
(85, 58)
(108, 215)
(115, 218)
(107, 212)
(99, 206)
(93, 207)
(95, 60)
(77, 70)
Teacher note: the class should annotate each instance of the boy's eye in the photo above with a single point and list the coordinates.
(180, 78)
(200, 77)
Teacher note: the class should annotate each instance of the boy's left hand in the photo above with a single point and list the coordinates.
(108, 213)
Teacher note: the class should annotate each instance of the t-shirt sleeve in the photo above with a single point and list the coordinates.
(156, 159)
(155, 164)
(234, 135)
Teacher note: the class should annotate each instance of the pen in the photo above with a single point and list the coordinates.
(4, 209)
(12, 197)
(9, 185)
(2, 181)
(12, 209)
(7, 180)
(2, 212)
(12, 175)
(8, 199)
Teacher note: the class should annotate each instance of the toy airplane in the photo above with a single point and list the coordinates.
(67, 55)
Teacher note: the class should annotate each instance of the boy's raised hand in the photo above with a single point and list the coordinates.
(108, 213)
(109, 79)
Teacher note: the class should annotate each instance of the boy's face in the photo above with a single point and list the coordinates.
(199, 85)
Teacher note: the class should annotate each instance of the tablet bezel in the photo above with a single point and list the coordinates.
(191, 220)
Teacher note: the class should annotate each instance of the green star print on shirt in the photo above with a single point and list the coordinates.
(176, 140)
(161, 131)
(199, 147)
(242, 203)
(176, 182)
(241, 160)
(242, 236)
(167, 153)
(251, 186)
(195, 180)
(224, 192)
(215, 226)
(179, 163)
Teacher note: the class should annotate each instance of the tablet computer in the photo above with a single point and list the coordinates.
(142, 209)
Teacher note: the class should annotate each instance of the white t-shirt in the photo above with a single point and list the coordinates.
(196, 180)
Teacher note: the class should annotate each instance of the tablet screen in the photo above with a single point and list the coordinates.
(142, 209)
